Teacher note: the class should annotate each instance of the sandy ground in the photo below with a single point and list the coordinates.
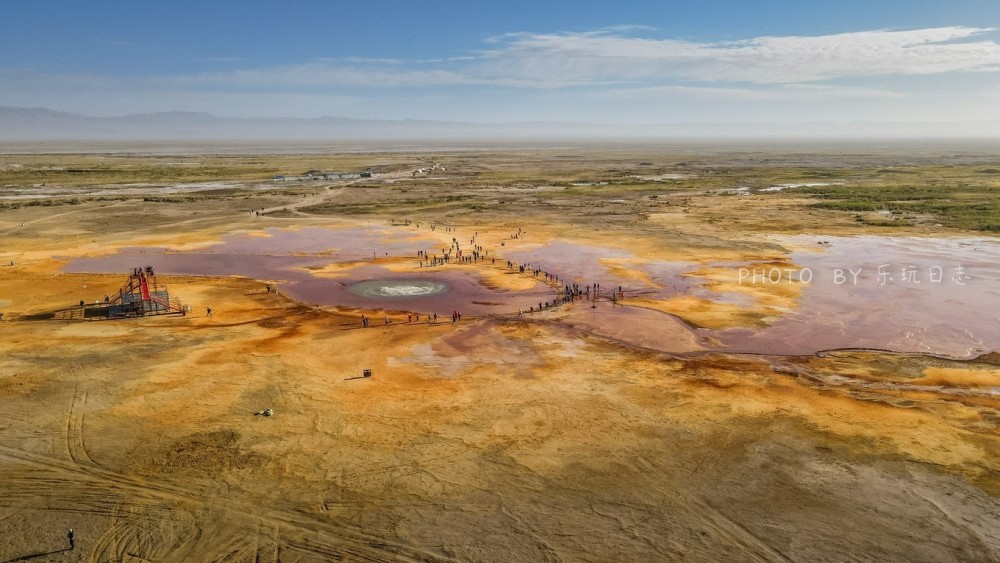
(545, 437)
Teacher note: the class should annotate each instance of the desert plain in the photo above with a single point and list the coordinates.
(707, 402)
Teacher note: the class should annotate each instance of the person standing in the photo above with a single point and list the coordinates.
(208, 312)
(72, 538)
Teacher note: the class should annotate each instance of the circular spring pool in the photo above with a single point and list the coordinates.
(398, 288)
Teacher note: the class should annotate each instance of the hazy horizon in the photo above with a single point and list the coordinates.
(42, 124)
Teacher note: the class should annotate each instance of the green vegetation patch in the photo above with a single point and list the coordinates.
(953, 202)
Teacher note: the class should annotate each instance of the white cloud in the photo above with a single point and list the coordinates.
(612, 74)
(574, 58)
(321, 74)
(814, 91)
(612, 57)
(785, 92)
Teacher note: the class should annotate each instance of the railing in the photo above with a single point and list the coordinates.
(170, 306)
(144, 302)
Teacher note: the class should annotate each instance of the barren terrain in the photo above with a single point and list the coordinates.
(657, 423)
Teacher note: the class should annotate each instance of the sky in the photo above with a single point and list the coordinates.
(747, 61)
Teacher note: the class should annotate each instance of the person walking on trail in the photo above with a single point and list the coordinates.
(72, 538)
(208, 312)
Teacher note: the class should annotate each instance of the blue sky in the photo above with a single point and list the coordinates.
(582, 61)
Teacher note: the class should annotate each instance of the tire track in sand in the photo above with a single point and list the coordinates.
(301, 531)
(76, 446)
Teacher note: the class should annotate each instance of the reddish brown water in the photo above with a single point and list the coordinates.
(356, 243)
(576, 263)
(286, 257)
(582, 264)
(957, 315)
(465, 292)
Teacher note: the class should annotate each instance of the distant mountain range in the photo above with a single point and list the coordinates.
(39, 124)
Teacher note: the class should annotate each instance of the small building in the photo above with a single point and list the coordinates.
(327, 175)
